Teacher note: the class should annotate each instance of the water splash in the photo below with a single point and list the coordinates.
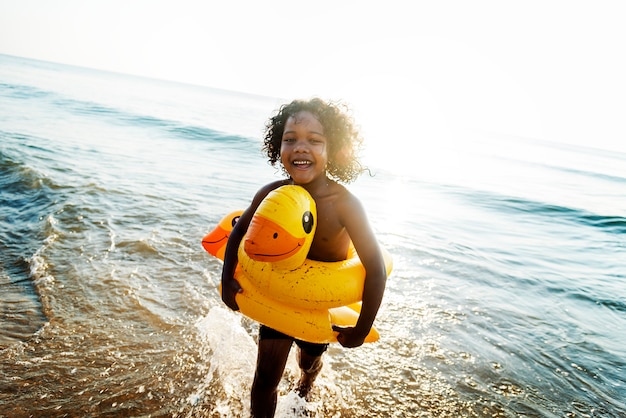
(230, 354)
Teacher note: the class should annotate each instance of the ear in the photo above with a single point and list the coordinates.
(344, 155)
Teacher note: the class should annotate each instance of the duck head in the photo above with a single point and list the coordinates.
(282, 228)
(215, 241)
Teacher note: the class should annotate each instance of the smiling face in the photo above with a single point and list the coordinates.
(303, 150)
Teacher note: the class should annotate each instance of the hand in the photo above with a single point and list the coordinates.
(230, 288)
(348, 337)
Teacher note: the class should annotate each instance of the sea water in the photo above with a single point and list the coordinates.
(507, 299)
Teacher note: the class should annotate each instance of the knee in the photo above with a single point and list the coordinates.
(309, 364)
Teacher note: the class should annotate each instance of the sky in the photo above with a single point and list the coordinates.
(549, 70)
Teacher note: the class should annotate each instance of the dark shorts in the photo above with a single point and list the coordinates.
(311, 349)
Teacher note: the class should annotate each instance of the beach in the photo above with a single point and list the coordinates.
(507, 298)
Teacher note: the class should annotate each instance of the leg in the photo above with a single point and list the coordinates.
(310, 362)
(271, 361)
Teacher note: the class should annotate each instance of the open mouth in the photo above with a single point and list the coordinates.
(302, 163)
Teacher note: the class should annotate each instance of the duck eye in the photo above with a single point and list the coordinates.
(307, 222)
(234, 221)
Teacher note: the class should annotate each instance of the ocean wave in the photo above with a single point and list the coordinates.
(26, 196)
(17, 177)
(589, 296)
(607, 223)
(19, 91)
(615, 305)
(97, 110)
(616, 224)
(614, 178)
(140, 247)
(201, 133)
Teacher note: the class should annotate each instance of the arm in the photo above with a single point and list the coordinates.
(230, 286)
(355, 221)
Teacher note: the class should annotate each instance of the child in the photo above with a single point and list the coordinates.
(316, 145)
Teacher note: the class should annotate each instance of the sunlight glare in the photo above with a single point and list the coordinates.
(401, 122)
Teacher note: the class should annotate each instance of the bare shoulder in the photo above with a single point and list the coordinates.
(271, 186)
(348, 205)
(265, 190)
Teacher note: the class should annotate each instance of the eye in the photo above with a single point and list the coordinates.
(307, 222)
(234, 221)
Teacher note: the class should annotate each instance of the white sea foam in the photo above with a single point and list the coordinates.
(38, 264)
(231, 356)
(230, 353)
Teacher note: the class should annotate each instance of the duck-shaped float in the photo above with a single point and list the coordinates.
(281, 287)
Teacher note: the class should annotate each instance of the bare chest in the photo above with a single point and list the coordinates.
(331, 241)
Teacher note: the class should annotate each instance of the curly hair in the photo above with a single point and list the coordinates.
(344, 139)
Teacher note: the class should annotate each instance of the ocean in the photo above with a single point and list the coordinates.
(507, 299)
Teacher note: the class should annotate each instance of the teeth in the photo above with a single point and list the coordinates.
(301, 162)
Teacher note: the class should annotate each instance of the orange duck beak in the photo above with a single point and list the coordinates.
(215, 241)
(267, 241)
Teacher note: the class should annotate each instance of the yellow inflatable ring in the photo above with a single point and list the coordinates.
(273, 255)
(281, 287)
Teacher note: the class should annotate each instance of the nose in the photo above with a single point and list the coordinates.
(301, 146)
